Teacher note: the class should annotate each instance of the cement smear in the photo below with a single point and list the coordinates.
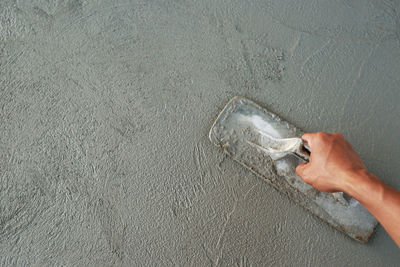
(105, 108)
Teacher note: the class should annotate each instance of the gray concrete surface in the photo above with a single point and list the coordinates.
(105, 107)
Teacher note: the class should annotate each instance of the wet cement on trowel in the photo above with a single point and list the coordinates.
(105, 109)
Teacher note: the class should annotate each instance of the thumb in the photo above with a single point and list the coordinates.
(301, 168)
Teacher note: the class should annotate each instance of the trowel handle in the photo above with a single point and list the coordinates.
(304, 151)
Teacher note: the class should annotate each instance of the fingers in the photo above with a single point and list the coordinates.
(302, 171)
(301, 168)
(309, 138)
(314, 138)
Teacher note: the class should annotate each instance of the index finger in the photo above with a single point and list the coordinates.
(308, 137)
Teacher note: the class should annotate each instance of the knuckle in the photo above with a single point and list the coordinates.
(308, 135)
(321, 137)
(338, 135)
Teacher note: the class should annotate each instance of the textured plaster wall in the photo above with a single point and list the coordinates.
(105, 107)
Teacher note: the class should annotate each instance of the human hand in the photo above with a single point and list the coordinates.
(333, 162)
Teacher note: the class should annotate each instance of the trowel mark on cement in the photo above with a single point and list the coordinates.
(315, 53)
(186, 195)
(228, 218)
(17, 214)
(112, 226)
(204, 167)
(128, 118)
(198, 157)
(257, 65)
(392, 11)
(129, 126)
(217, 253)
(21, 200)
(243, 262)
(354, 82)
(347, 21)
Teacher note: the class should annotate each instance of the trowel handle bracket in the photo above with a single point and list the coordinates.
(303, 152)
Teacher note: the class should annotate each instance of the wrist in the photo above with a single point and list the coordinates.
(363, 185)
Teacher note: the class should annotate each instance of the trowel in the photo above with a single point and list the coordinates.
(272, 148)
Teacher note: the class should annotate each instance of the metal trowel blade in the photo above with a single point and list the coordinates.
(265, 144)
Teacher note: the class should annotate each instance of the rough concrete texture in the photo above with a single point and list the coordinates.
(105, 107)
